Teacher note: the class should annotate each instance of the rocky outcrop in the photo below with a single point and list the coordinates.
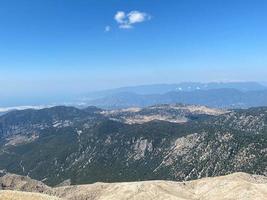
(22, 183)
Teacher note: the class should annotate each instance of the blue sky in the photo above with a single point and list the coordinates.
(65, 47)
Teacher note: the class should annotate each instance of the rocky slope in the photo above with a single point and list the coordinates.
(238, 186)
(15, 195)
(21, 183)
(70, 145)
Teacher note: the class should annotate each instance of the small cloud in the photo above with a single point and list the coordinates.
(120, 17)
(137, 17)
(126, 21)
(107, 28)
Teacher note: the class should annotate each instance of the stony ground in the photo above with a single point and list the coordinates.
(15, 195)
(237, 186)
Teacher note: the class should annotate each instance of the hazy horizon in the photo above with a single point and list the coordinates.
(41, 101)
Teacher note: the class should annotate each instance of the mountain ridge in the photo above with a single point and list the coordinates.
(97, 148)
(236, 186)
(218, 98)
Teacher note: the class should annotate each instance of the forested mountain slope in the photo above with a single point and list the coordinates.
(86, 146)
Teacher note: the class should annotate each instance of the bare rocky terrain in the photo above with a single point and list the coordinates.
(15, 195)
(237, 186)
(175, 113)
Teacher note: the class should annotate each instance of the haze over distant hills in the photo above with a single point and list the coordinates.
(215, 94)
(220, 95)
(184, 86)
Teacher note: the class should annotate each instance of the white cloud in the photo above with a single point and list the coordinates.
(126, 21)
(120, 17)
(137, 17)
(107, 28)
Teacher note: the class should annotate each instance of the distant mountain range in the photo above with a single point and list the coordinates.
(216, 94)
(184, 86)
(219, 98)
(220, 95)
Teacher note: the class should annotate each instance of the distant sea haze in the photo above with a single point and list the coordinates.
(214, 94)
